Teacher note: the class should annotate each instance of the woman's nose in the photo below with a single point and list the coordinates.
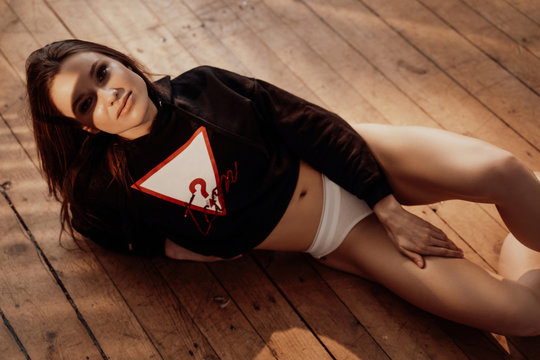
(109, 95)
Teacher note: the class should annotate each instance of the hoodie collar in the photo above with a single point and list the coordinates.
(165, 89)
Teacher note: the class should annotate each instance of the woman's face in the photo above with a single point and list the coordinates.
(102, 94)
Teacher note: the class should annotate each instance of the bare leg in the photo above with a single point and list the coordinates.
(428, 165)
(519, 263)
(455, 289)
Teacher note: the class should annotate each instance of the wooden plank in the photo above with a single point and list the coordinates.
(144, 36)
(9, 348)
(488, 38)
(333, 323)
(13, 109)
(162, 316)
(528, 347)
(482, 78)
(258, 58)
(39, 312)
(309, 66)
(267, 311)
(363, 76)
(528, 8)
(83, 23)
(15, 41)
(514, 23)
(476, 344)
(192, 33)
(12, 90)
(206, 6)
(409, 70)
(40, 21)
(214, 311)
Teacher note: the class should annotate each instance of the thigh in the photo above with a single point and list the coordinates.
(452, 288)
(426, 165)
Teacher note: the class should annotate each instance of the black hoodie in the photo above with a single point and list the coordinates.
(220, 165)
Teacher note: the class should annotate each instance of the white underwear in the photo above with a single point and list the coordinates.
(341, 211)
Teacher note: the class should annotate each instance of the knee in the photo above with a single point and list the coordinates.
(503, 173)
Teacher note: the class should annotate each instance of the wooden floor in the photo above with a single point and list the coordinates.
(470, 66)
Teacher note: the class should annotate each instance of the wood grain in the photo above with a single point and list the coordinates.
(467, 66)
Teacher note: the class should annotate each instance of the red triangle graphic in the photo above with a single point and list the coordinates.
(187, 176)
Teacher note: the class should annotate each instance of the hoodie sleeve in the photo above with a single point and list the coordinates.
(317, 136)
(116, 227)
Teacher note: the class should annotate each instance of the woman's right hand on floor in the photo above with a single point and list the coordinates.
(175, 251)
(412, 235)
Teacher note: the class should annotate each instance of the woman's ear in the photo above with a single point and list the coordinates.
(90, 129)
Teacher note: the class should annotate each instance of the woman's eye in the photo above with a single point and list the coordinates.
(101, 73)
(85, 105)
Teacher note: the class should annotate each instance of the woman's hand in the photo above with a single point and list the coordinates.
(175, 251)
(412, 235)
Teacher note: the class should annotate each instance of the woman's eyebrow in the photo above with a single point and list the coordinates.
(91, 75)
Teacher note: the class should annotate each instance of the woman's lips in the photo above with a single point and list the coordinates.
(127, 101)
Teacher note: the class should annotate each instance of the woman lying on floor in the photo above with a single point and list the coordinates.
(212, 164)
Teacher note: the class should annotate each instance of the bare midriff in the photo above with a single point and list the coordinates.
(298, 226)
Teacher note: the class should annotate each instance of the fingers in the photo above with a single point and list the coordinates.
(437, 243)
(440, 251)
(439, 238)
(446, 244)
(433, 244)
(432, 247)
(437, 248)
(416, 258)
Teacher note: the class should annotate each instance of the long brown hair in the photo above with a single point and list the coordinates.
(66, 152)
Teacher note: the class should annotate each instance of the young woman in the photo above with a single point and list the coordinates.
(211, 164)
